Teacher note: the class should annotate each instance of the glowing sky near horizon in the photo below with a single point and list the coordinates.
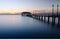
(14, 6)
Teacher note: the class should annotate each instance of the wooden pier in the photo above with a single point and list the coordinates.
(42, 17)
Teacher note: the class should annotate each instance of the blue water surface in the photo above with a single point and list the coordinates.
(22, 26)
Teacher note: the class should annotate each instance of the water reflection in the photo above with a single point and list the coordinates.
(9, 19)
(18, 25)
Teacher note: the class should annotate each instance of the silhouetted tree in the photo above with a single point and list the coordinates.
(26, 14)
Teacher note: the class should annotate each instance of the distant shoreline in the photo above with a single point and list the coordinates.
(10, 14)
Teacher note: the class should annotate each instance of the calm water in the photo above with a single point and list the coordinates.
(20, 26)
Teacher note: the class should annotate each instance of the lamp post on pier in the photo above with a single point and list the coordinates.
(57, 14)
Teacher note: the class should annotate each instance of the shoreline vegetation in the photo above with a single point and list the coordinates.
(26, 14)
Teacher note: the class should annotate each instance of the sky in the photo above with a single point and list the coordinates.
(15, 6)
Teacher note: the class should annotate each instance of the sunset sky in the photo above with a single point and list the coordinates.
(15, 6)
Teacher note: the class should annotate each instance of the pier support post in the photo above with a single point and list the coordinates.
(48, 19)
(58, 21)
(53, 20)
(41, 18)
(44, 18)
(38, 17)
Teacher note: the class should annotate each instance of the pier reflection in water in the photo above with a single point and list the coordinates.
(22, 26)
